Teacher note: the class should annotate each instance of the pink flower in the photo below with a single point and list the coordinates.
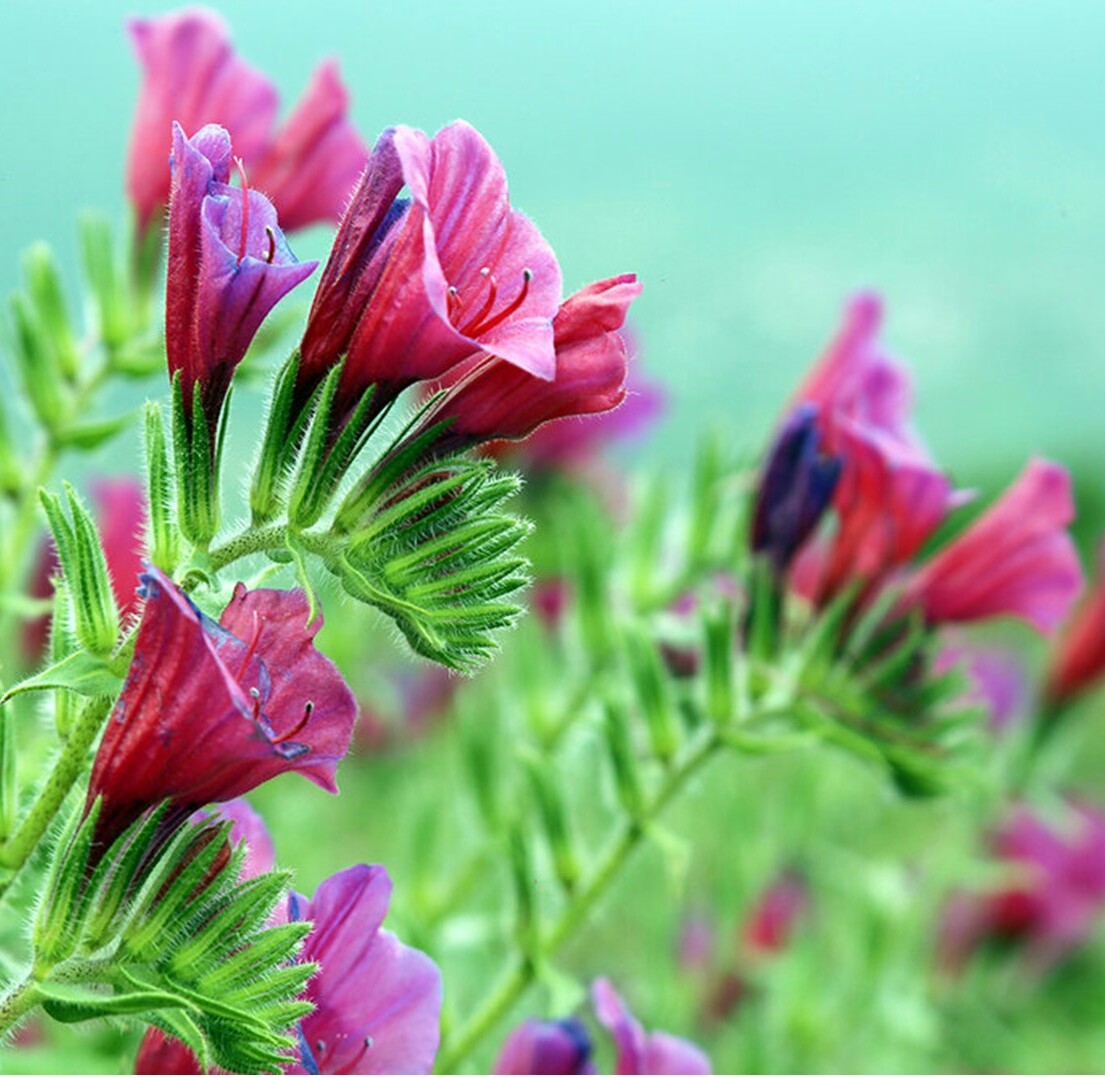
(377, 1002)
(1016, 559)
(413, 288)
(638, 1051)
(310, 167)
(120, 506)
(547, 1047)
(210, 711)
(192, 75)
(491, 400)
(890, 497)
(998, 680)
(1054, 897)
(229, 265)
(1079, 661)
(774, 916)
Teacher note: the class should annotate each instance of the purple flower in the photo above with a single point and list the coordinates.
(248, 828)
(211, 710)
(547, 1047)
(377, 1002)
(229, 265)
(999, 683)
(795, 490)
(639, 1051)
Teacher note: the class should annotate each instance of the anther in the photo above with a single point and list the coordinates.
(272, 244)
(478, 326)
(298, 726)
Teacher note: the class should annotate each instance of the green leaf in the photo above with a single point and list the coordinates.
(70, 1003)
(83, 673)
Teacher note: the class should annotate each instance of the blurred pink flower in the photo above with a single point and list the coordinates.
(999, 682)
(192, 75)
(547, 1047)
(1078, 662)
(1015, 560)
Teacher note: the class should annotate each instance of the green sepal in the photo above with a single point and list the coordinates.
(707, 503)
(623, 758)
(163, 542)
(92, 435)
(43, 282)
(11, 466)
(481, 749)
(80, 551)
(83, 673)
(105, 280)
(526, 920)
(327, 455)
(39, 375)
(646, 539)
(279, 445)
(653, 693)
(58, 925)
(70, 1003)
(197, 457)
(554, 818)
(718, 629)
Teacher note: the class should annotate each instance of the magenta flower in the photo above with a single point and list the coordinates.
(1054, 897)
(211, 710)
(999, 683)
(377, 1002)
(493, 400)
(770, 924)
(229, 265)
(547, 1047)
(1015, 560)
(120, 506)
(1078, 663)
(316, 158)
(413, 288)
(638, 1051)
(192, 75)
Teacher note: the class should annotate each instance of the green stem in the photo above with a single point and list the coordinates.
(67, 769)
(572, 916)
(17, 1003)
(250, 541)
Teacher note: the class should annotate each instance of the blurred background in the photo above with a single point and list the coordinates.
(754, 163)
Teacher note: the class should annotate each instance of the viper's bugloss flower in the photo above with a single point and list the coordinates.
(1078, 662)
(1054, 896)
(248, 828)
(414, 287)
(192, 75)
(315, 159)
(211, 710)
(377, 1002)
(491, 399)
(998, 680)
(120, 509)
(890, 496)
(795, 489)
(1016, 559)
(639, 1051)
(773, 918)
(547, 1047)
(229, 265)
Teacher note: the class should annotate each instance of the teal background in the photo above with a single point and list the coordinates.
(753, 162)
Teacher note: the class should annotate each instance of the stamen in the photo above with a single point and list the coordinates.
(298, 726)
(254, 640)
(272, 244)
(241, 170)
(477, 326)
(452, 297)
(489, 302)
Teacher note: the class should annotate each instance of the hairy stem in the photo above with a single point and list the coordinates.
(17, 1003)
(252, 540)
(520, 975)
(67, 768)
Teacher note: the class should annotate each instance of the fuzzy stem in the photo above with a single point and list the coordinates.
(17, 1003)
(572, 916)
(252, 540)
(67, 768)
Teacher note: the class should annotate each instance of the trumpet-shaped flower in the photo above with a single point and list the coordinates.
(377, 1002)
(414, 287)
(192, 75)
(229, 265)
(1015, 560)
(495, 400)
(1079, 661)
(547, 1047)
(211, 710)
